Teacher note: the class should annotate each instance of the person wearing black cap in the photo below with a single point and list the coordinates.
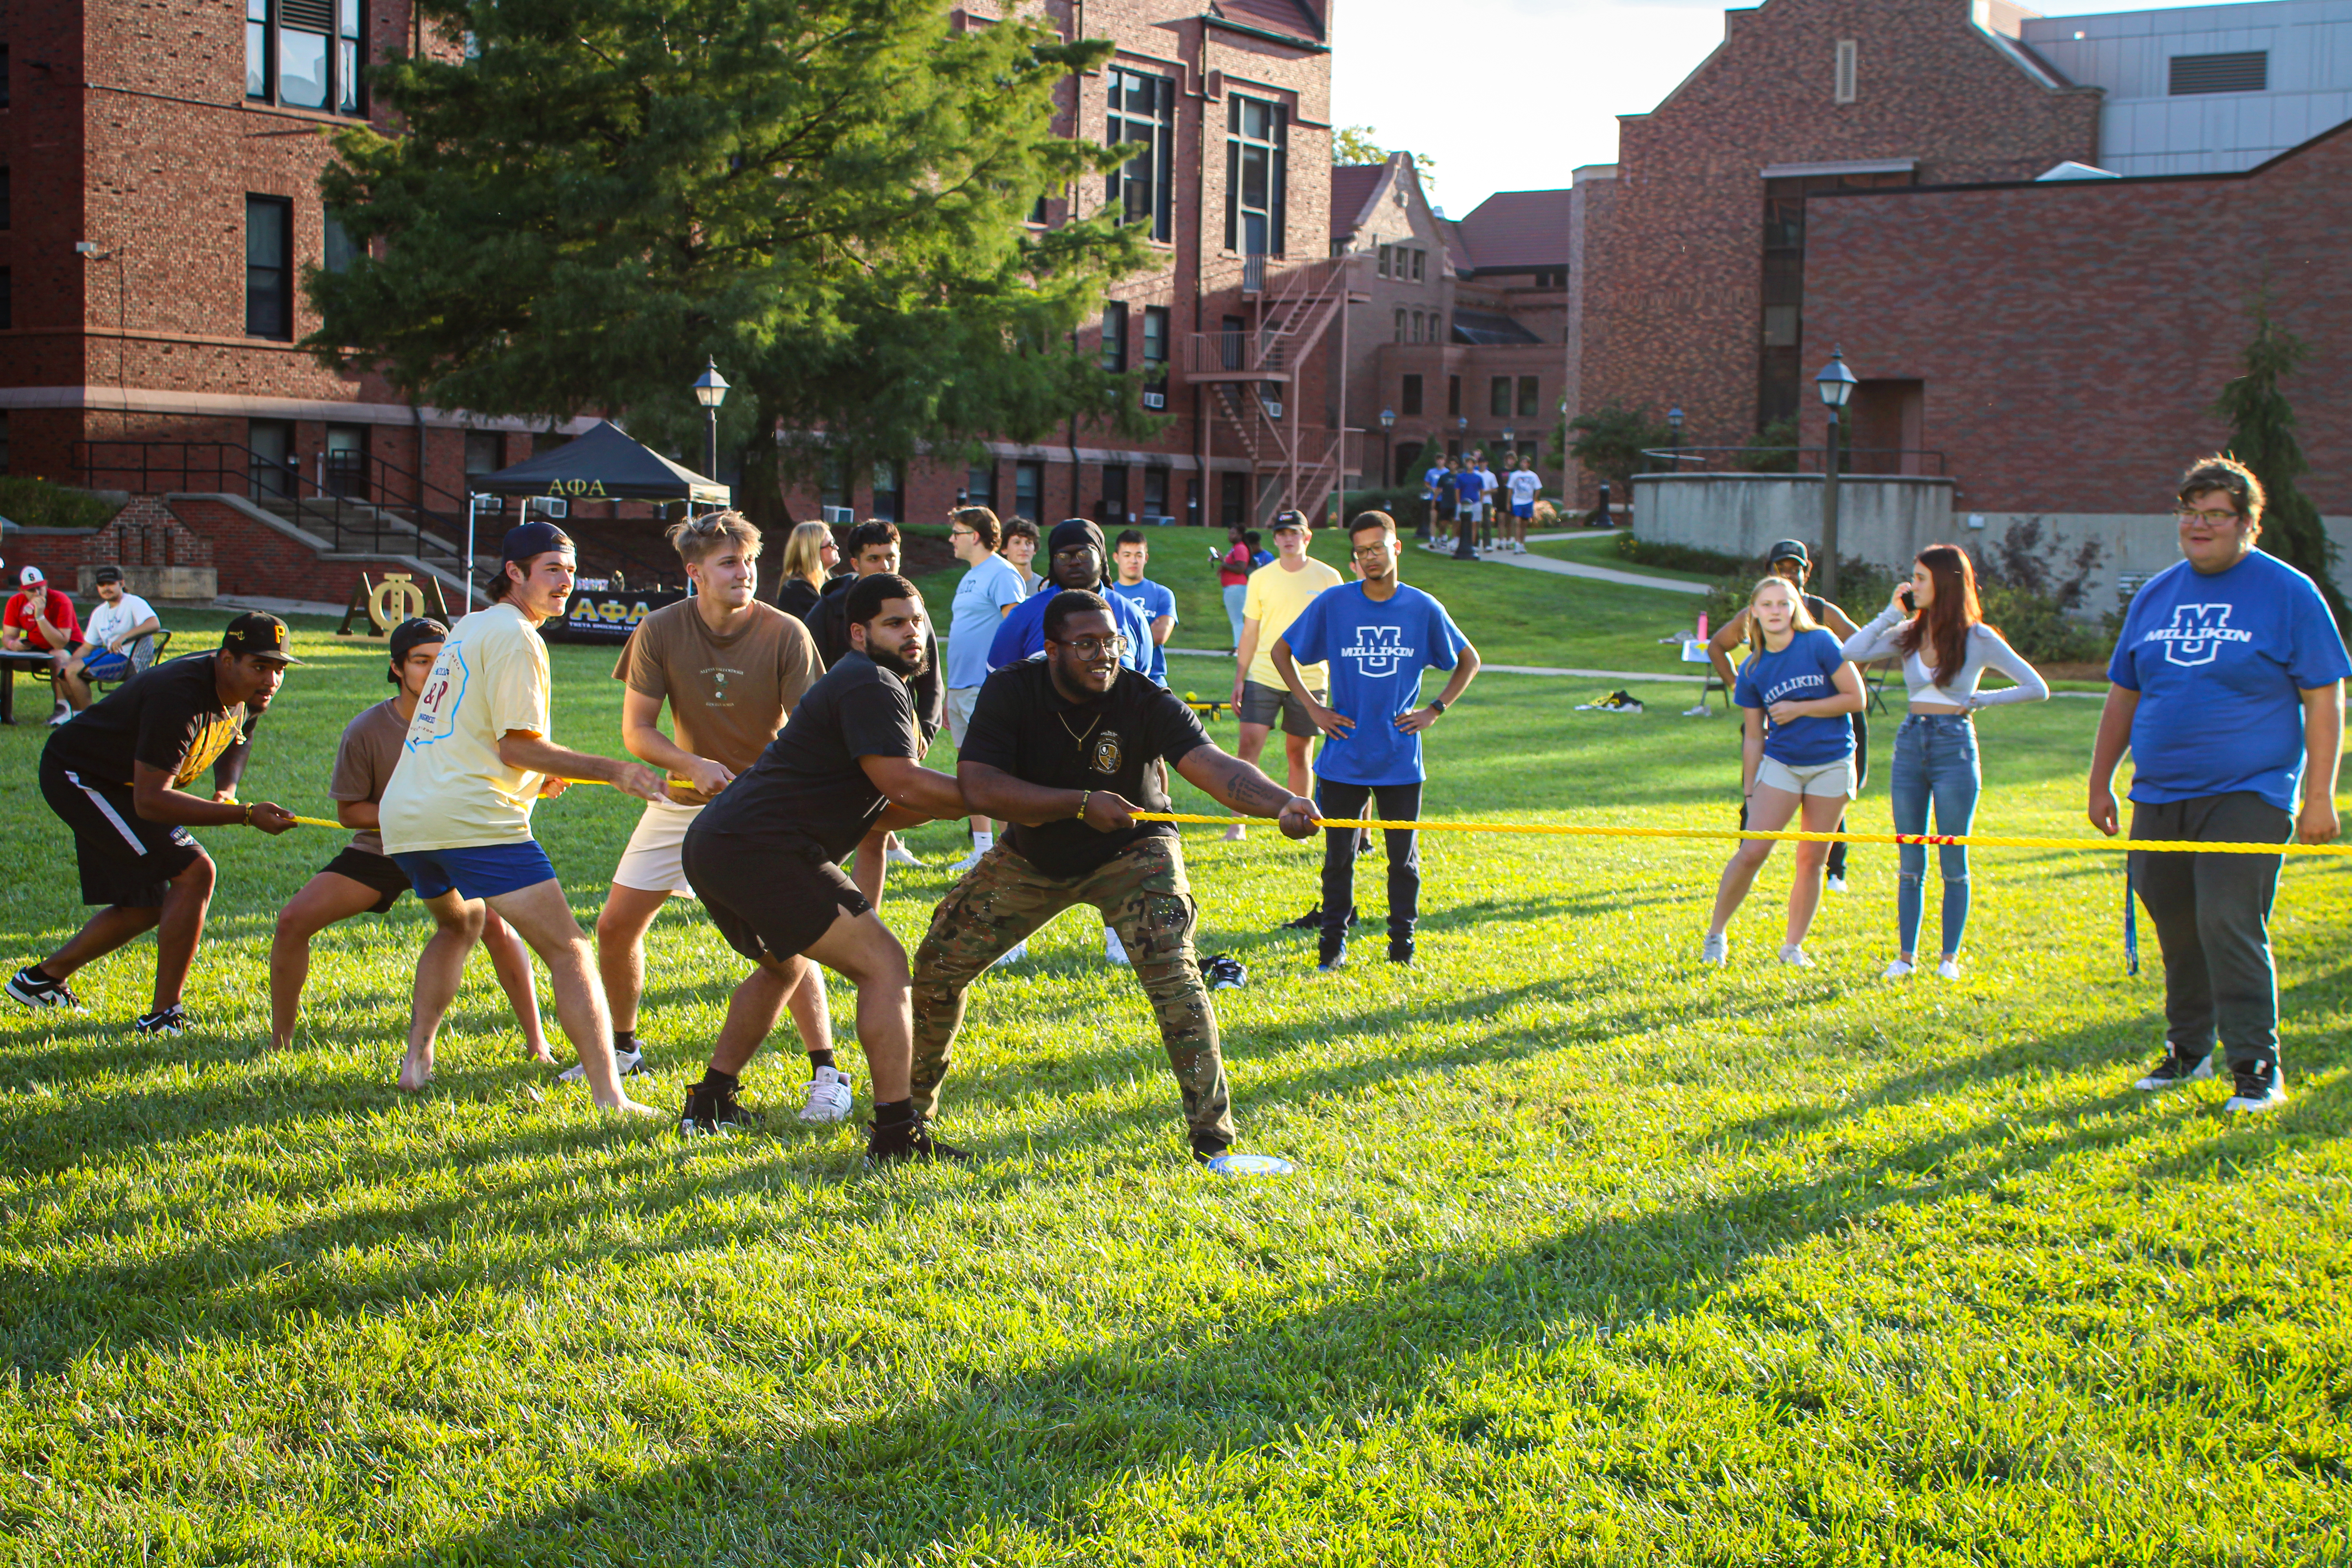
(1077, 560)
(1789, 560)
(118, 775)
(362, 880)
(457, 813)
(765, 858)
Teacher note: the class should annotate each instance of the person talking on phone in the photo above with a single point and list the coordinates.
(1935, 626)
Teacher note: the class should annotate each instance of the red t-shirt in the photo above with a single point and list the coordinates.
(1235, 568)
(18, 617)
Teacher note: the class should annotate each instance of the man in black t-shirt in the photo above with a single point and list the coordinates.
(765, 858)
(1067, 749)
(118, 775)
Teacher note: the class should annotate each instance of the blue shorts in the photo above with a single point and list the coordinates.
(483, 871)
(1523, 509)
(107, 667)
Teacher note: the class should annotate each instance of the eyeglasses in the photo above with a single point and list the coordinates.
(963, 533)
(1373, 550)
(2200, 514)
(1087, 647)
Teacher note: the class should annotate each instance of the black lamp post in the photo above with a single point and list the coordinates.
(1465, 532)
(1835, 384)
(710, 391)
(1387, 446)
(1675, 435)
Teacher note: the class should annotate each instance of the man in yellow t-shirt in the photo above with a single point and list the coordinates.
(457, 813)
(1277, 592)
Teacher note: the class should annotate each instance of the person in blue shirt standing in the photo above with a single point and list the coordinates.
(2227, 686)
(1800, 692)
(1158, 603)
(1469, 486)
(1376, 636)
(1076, 559)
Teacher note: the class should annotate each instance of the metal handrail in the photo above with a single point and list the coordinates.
(1867, 462)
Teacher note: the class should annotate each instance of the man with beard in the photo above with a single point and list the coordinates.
(1067, 748)
(1077, 562)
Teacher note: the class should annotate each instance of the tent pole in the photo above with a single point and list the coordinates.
(468, 567)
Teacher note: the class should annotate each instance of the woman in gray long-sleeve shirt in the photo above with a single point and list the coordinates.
(1935, 626)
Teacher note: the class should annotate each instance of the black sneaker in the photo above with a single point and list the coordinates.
(2261, 1087)
(1223, 972)
(2176, 1069)
(39, 990)
(1332, 953)
(1204, 1152)
(1313, 920)
(168, 1020)
(1399, 948)
(712, 1109)
(911, 1142)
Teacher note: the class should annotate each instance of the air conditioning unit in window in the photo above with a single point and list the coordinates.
(554, 506)
(839, 516)
(1273, 407)
(1155, 400)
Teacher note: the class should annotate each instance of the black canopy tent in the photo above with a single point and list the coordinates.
(603, 462)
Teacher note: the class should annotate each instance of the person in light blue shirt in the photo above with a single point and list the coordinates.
(1376, 636)
(983, 599)
(1077, 560)
(1157, 602)
(2227, 685)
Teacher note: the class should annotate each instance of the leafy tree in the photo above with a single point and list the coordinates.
(2261, 437)
(1771, 450)
(1360, 144)
(827, 196)
(1609, 441)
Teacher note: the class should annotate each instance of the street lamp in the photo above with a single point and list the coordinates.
(1675, 435)
(710, 391)
(1835, 384)
(1510, 442)
(1388, 445)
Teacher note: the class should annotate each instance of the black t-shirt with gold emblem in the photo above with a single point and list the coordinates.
(171, 716)
(1022, 726)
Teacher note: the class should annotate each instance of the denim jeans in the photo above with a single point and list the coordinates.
(1935, 762)
(1236, 594)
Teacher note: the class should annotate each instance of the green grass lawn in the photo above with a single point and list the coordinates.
(1592, 1256)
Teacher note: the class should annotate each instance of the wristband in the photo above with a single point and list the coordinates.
(249, 814)
(1084, 796)
(1437, 705)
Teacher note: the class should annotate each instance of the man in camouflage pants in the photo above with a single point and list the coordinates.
(1064, 747)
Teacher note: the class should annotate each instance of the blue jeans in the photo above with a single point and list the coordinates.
(1236, 595)
(1935, 762)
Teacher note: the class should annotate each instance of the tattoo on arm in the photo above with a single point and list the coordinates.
(1246, 789)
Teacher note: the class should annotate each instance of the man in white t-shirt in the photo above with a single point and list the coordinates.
(1525, 485)
(117, 641)
(457, 811)
(1493, 503)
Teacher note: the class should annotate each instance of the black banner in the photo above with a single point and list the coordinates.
(598, 613)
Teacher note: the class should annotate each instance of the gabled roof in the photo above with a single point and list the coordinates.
(604, 463)
(1294, 18)
(1514, 229)
(1354, 187)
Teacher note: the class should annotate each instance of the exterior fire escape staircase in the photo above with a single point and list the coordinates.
(1254, 377)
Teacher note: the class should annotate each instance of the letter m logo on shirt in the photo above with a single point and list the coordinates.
(1376, 649)
(2191, 639)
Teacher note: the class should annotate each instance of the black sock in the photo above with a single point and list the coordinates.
(624, 1039)
(713, 1078)
(819, 1059)
(894, 1114)
(36, 972)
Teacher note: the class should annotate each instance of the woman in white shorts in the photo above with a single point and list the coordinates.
(1797, 693)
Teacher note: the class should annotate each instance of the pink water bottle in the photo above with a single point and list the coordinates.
(1702, 626)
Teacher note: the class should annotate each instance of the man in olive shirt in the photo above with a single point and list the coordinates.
(1067, 748)
(730, 667)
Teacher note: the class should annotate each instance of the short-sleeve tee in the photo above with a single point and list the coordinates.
(1021, 633)
(1469, 484)
(1377, 650)
(1276, 594)
(808, 784)
(1154, 601)
(451, 790)
(1524, 483)
(2220, 663)
(364, 763)
(1234, 568)
(1430, 480)
(728, 695)
(18, 617)
(170, 718)
(1804, 672)
(992, 586)
(1023, 726)
(108, 622)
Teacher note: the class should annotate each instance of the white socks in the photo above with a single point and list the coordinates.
(982, 843)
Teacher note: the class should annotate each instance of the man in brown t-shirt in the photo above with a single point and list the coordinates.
(363, 879)
(731, 667)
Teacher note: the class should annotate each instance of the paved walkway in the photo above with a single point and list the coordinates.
(1593, 574)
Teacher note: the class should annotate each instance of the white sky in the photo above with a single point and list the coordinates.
(1510, 95)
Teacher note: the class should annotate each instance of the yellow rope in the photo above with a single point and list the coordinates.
(1975, 841)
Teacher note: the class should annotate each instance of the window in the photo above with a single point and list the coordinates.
(1232, 498)
(1847, 52)
(343, 473)
(304, 54)
(1155, 349)
(1386, 251)
(1780, 389)
(2248, 72)
(4, 441)
(485, 452)
(1231, 335)
(1155, 492)
(1399, 326)
(269, 444)
(1409, 395)
(1114, 496)
(1419, 328)
(268, 266)
(1527, 396)
(1029, 490)
(832, 480)
(338, 246)
(4, 76)
(7, 301)
(1257, 137)
(1114, 341)
(1498, 397)
(980, 485)
(1143, 111)
(1418, 257)
(1453, 397)
(4, 196)
(889, 491)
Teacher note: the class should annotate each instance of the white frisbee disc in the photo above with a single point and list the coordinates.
(1250, 1166)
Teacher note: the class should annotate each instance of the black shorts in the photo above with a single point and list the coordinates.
(771, 895)
(380, 872)
(124, 858)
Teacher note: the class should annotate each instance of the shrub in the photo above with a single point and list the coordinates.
(36, 503)
(1771, 450)
(1610, 442)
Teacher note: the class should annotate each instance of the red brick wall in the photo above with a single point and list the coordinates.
(2087, 389)
(256, 560)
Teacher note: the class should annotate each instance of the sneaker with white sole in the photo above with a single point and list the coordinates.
(1833, 884)
(900, 855)
(966, 864)
(169, 1020)
(1949, 969)
(829, 1097)
(2261, 1087)
(2176, 1069)
(1716, 948)
(623, 1064)
(1114, 949)
(1793, 955)
(40, 992)
(1898, 969)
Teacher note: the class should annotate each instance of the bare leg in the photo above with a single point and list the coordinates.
(621, 948)
(1295, 749)
(861, 949)
(72, 687)
(511, 962)
(811, 1015)
(753, 1011)
(110, 927)
(541, 918)
(1252, 747)
(1768, 811)
(181, 929)
(868, 873)
(325, 899)
(1821, 814)
(440, 969)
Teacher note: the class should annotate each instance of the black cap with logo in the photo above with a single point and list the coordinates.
(411, 635)
(1789, 550)
(261, 634)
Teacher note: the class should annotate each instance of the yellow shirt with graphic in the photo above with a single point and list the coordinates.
(449, 790)
(1275, 598)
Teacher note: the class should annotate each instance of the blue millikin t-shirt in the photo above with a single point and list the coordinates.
(1154, 601)
(1804, 672)
(1376, 651)
(2220, 663)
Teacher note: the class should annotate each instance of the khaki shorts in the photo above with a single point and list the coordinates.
(962, 700)
(1815, 778)
(650, 864)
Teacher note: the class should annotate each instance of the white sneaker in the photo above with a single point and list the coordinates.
(1833, 884)
(829, 1098)
(623, 1064)
(1014, 954)
(1716, 950)
(1948, 970)
(1898, 969)
(966, 864)
(1113, 949)
(62, 715)
(1793, 955)
(900, 855)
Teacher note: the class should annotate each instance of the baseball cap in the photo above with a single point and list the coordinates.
(1789, 550)
(30, 577)
(108, 575)
(413, 633)
(261, 634)
(1282, 520)
(532, 539)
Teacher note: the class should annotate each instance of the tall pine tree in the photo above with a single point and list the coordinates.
(829, 196)
(2261, 437)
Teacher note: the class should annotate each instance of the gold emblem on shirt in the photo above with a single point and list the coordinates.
(1106, 756)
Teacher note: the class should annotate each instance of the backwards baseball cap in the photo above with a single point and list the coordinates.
(30, 577)
(415, 633)
(261, 634)
(1789, 550)
(532, 539)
